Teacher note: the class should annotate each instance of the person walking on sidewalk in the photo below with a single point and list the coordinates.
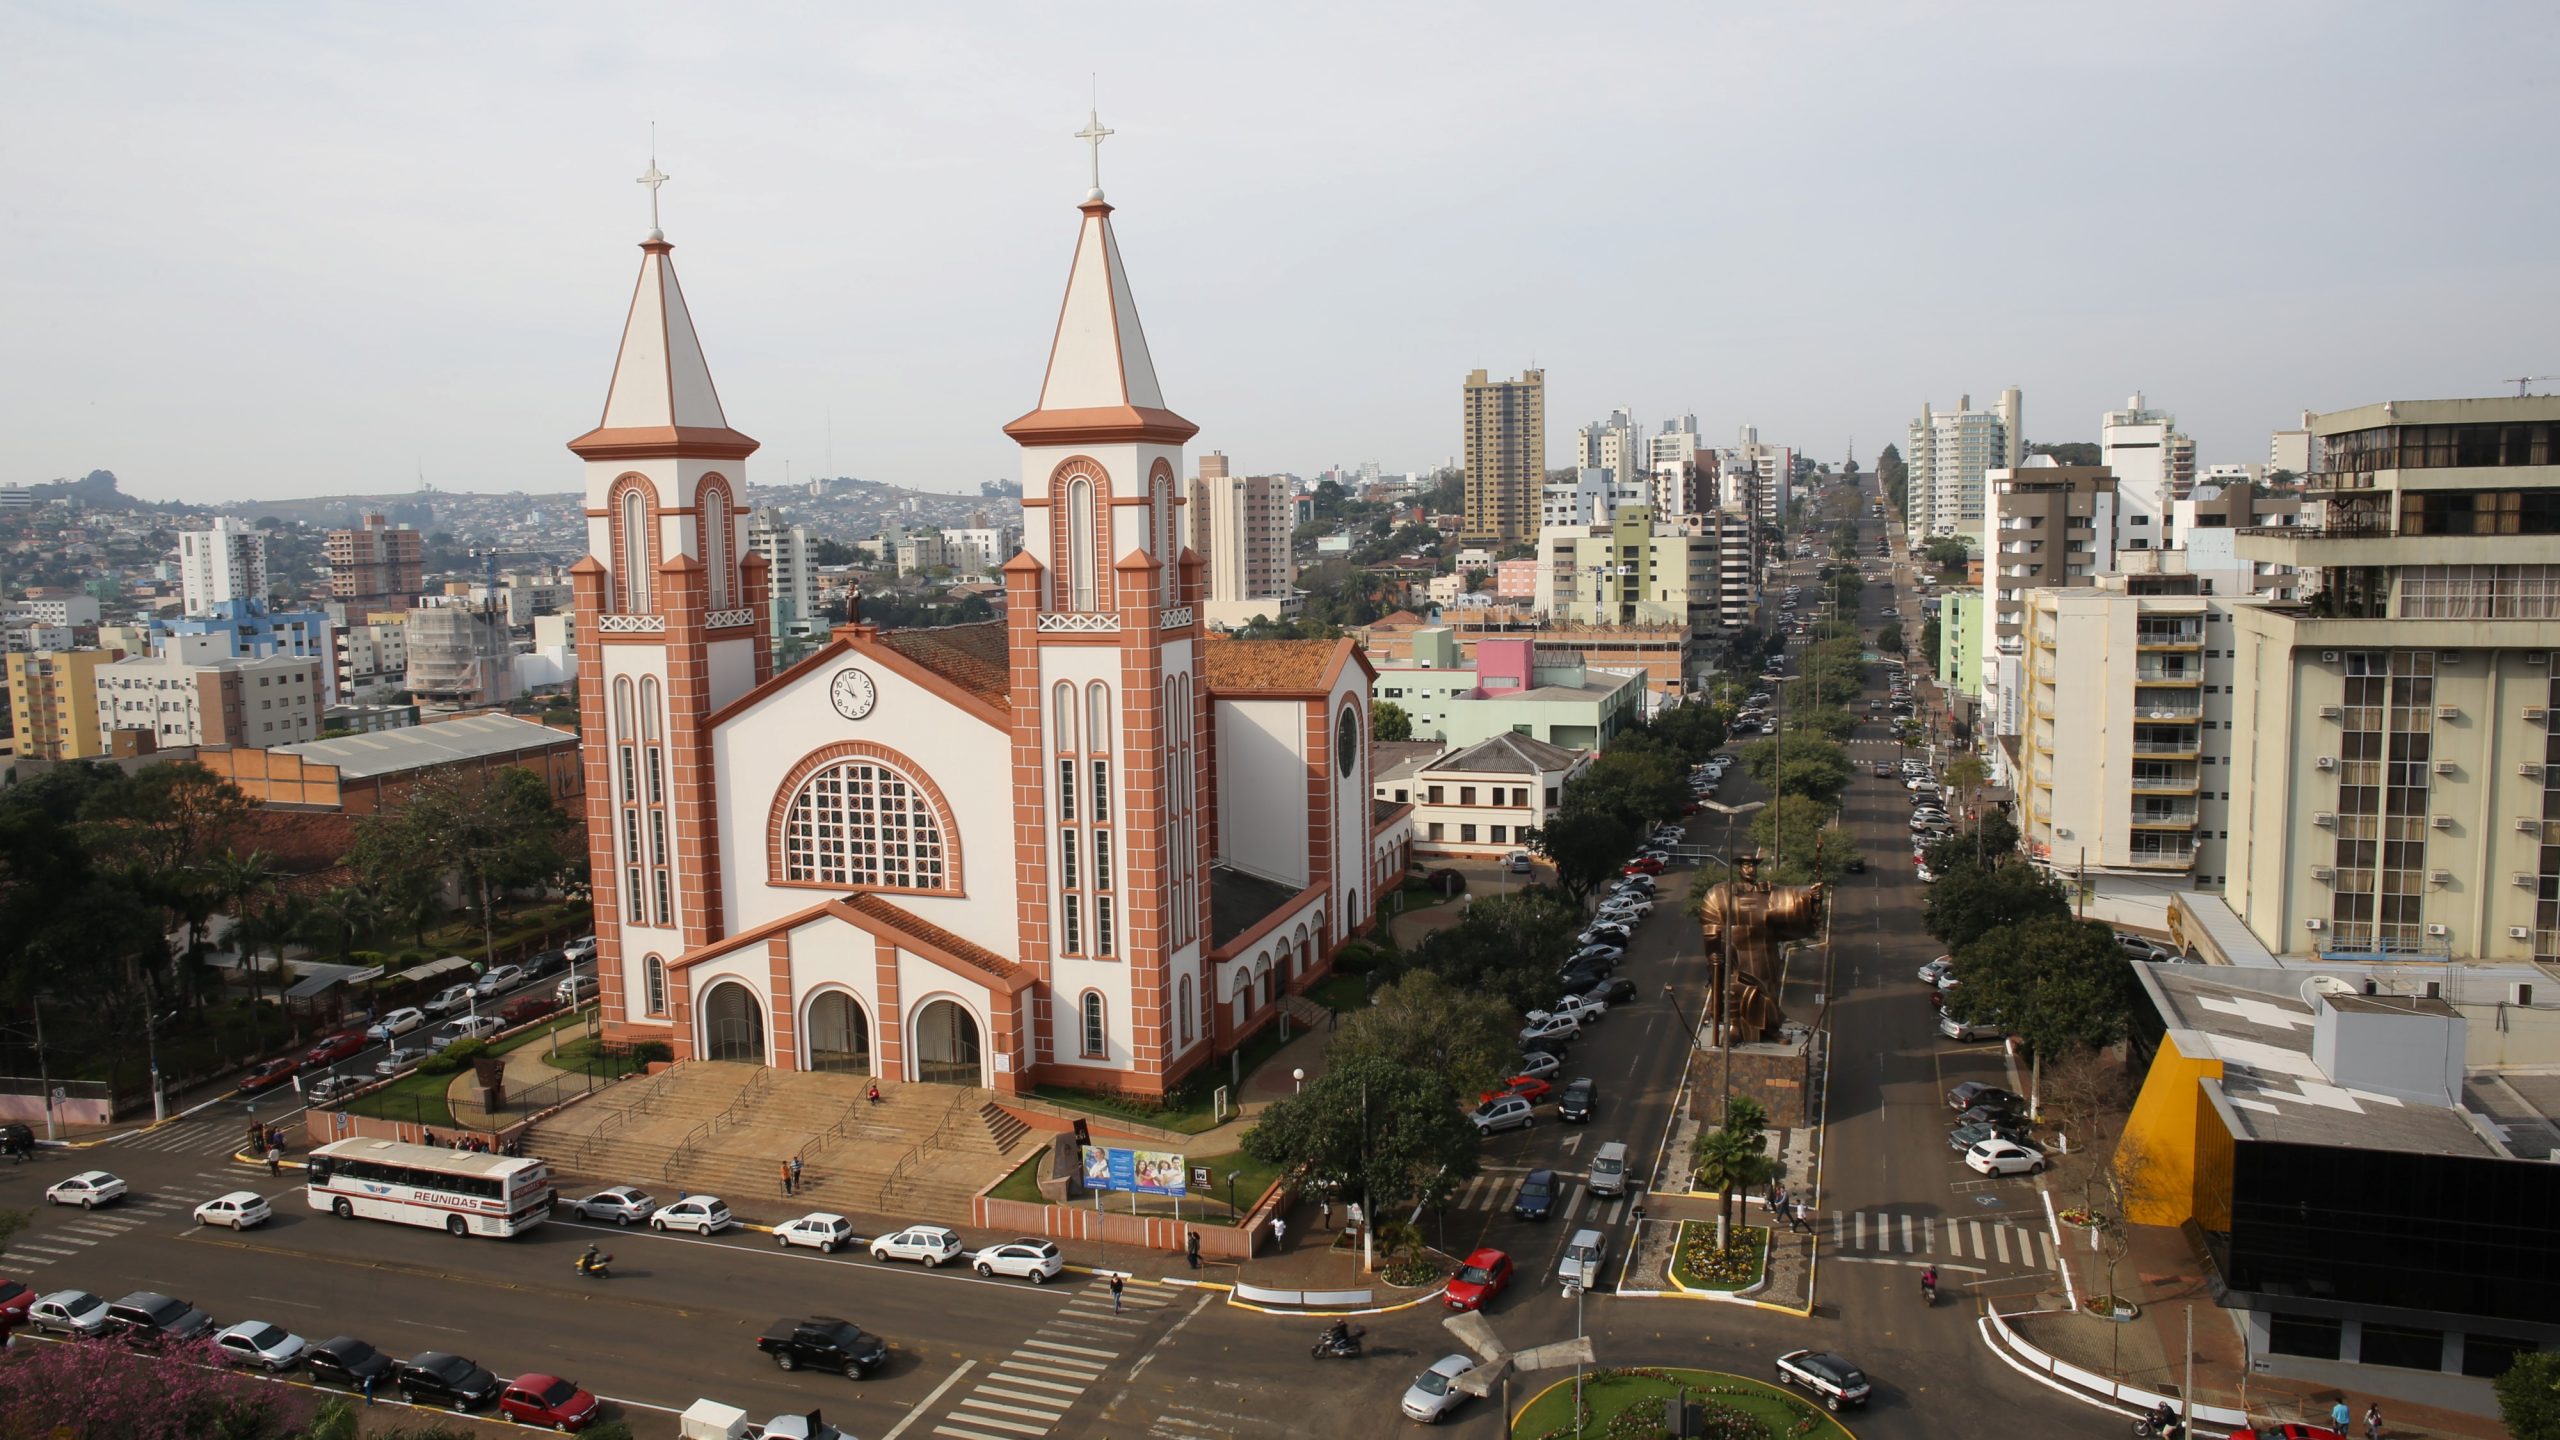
(1279, 1233)
(795, 1174)
(2373, 1421)
(2340, 1417)
(1191, 1249)
(1324, 1213)
(1115, 1294)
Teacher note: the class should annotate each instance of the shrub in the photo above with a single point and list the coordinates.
(648, 1051)
(1360, 957)
(453, 1058)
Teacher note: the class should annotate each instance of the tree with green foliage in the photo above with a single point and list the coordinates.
(1929, 645)
(1970, 901)
(2070, 452)
(1800, 842)
(2058, 984)
(1800, 765)
(1889, 639)
(1694, 730)
(2529, 1396)
(1947, 552)
(1637, 783)
(1506, 946)
(1423, 1021)
(1733, 1159)
(1586, 844)
(498, 832)
(1389, 1134)
(1388, 722)
(1827, 722)
(1986, 840)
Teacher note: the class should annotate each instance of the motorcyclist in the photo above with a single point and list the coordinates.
(1929, 1282)
(1339, 1337)
(2164, 1421)
(591, 1262)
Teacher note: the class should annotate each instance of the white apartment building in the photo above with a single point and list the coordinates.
(789, 576)
(182, 702)
(227, 562)
(1482, 800)
(2290, 451)
(372, 656)
(2153, 465)
(1241, 525)
(981, 549)
(55, 607)
(2050, 526)
(1632, 571)
(1591, 497)
(1950, 453)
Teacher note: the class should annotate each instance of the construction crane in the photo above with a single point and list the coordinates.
(2523, 383)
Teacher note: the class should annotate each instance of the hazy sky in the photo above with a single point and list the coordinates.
(272, 250)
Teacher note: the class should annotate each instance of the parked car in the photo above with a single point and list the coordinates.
(1992, 1115)
(1581, 1006)
(269, 1074)
(1538, 1065)
(346, 1360)
(498, 980)
(548, 1401)
(1967, 1030)
(1838, 1382)
(1527, 1087)
(1486, 1274)
(525, 1009)
(1974, 1092)
(1537, 1197)
(2004, 1157)
(1616, 990)
(1578, 1101)
(1597, 950)
(69, 1312)
(453, 999)
(575, 989)
(543, 963)
(257, 1345)
(1605, 934)
(621, 1204)
(399, 1058)
(927, 1245)
(467, 1027)
(1432, 1393)
(1506, 1112)
(819, 1230)
(89, 1189)
(399, 1022)
(1576, 978)
(580, 950)
(335, 1048)
(148, 1318)
(701, 1214)
(1037, 1261)
(15, 1298)
(1544, 1026)
(1938, 969)
(238, 1210)
(1643, 865)
(824, 1342)
(1965, 1137)
(436, 1378)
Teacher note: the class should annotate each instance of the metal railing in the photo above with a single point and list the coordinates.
(730, 1114)
(908, 1162)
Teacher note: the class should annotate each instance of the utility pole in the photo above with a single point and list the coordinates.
(2187, 1399)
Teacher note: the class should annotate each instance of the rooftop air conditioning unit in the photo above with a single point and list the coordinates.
(2448, 657)
(2324, 819)
(2329, 712)
(2324, 872)
(2448, 712)
(2526, 878)
(2325, 762)
(2329, 657)
(2439, 877)
(2518, 932)
(2537, 657)
(2439, 931)
(2315, 923)
(2440, 822)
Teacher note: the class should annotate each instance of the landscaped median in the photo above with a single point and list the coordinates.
(1629, 1405)
(1698, 1267)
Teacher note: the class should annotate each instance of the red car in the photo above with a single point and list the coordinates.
(547, 1400)
(1527, 1087)
(269, 1075)
(334, 1049)
(14, 1300)
(1478, 1281)
(1690, 809)
(1645, 866)
(528, 1007)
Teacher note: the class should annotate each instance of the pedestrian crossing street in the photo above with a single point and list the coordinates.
(1496, 1189)
(1029, 1391)
(73, 1235)
(1882, 1233)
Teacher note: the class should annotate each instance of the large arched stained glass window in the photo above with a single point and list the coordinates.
(861, 824)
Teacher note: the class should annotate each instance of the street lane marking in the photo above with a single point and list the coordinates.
(1016, 1361)
(965, 1434)
(999, 1373)
(2000, 1239)
(1976, 1227)
(928, 1402)
(972, 1402)
(1907, 1246)
(1072, 1349)
(989, 1387)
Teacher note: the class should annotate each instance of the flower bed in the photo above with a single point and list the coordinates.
(1696, 1263)
(2078, 1216)
(1626, 1404)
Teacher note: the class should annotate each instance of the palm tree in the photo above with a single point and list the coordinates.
(341, 914)
(1731, 1158)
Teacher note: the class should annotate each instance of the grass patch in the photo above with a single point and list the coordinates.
(1023, 1184)
(1607, 1394)
(1341, 994)
(589, 1055)
(1187, 1110)
(415, 1098)
(1698, 1265)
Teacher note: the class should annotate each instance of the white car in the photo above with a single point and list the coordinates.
(819, 1230)
(239, 1210)
(1545, 1026)
(330, 1087)
(88, 1190)
(701, 1214)
(582, 948)
(257, 1344)
(500, 979)
(468, 1027)
(69, 1312)
(2003, 1157)
(1432, 1395)
(1037, 1261)
(1967, 1030)
(452, 998)
(621, 1204)
(400, 1058)
(927, 1245)
(575, 989)
(1928, 876)
(399, 1022)
(1583, 1009)
(1936, 971)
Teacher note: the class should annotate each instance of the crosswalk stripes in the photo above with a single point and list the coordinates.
(1029, 1391)
(188, 1137)
(1958, 1238)
(1573, 1202)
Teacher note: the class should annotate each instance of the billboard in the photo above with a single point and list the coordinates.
(1147, 1172)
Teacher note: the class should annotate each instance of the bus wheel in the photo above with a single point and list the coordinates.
(342, 1209)
(453, 1226)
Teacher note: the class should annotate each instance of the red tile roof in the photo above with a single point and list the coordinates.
(1280, 667)
(969, 656)
(1005, 973)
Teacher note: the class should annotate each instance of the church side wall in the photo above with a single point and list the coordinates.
(1262, 787)
(1348, 809)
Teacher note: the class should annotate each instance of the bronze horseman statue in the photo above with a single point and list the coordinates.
(1746, 917)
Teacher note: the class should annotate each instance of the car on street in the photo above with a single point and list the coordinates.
(397, 1023)
(1578, 1100)
(819, 1230)
(575, 989)
(1432, 1395)
(450, 1381)
(1974, 1092)
(1617, 935)
(1857, 864)
(1539, 1064)
(1537, 1197)
(1486, 1274)
(2139, 948)
(238, 1210)
(1035, 1260)
(543, 963)
(147, 1318)
(1923, 820)
(69, 1312)
(1625, 910)
(335, 1048)
(927, 1245)
(549, 1402)
(1543, 1026)
(1585, 1259)
(1527, 1087)
(1504, 1112)
(1838, 1382)
(332, 1087)
(701, 1214)
(451, 1000)
(346, 1360)
(498, 980)
(467, 1027)
(15, 1297)
(1597, 950)
(1965, 1137)
(2004, 1157)
(1617, 990)
(580, 950)
(399, 1058)
(621, 1204)
(89, 1189)
(270, 1074)
(257, 1345)
(1643, 865)
(823, 1342)
(1580, 1005)
(1991, 1115)
(1967, 1030)
(525, 1009)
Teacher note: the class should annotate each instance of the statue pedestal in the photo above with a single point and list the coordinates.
(1777, 1073)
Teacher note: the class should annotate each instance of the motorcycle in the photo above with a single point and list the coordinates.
(1343, 1346)
(2154, 1425)
(1929, 1293)
(600, 1268)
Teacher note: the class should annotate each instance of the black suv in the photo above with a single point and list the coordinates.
(146, 1318)
(346, 1360)
(436, 1378)
(1578, 1098)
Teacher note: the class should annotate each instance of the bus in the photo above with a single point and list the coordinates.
(463, 1192)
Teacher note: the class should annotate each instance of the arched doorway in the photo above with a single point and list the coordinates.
(947, 1046)
(732, 1024)
(839, 1034)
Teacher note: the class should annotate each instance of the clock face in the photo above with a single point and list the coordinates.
(1346, 742)
(853, 693)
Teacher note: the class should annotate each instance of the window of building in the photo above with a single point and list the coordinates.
(1080, 544)
(1434, 827)
(1182, 1007)
(1071, 932)
(1101, 790)
(1067, 848)
(1499, 834)
(666, 904)
(1066, 789)
(861, 823)
(1101, 859)
(656, 972)
(718, 535)
(1435, 794)
(2488, 1356)
(1104, 942)
(635, 552)
(2404, 1346)
(1466, 833)
(1097, 1037)
(1466, 794)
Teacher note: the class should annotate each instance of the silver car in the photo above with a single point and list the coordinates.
(1433, 1394)
(621, 1204)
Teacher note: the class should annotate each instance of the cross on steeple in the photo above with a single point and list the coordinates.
(1093, 134)
(653, 180)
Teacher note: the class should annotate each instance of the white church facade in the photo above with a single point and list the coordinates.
(1086, 844)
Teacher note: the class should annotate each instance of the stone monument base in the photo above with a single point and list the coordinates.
(1777, 1073)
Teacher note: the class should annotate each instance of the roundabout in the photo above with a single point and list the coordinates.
(1629, 1404)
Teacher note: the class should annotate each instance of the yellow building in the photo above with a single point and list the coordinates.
(53, 696)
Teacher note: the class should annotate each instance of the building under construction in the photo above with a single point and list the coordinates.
(459, 655)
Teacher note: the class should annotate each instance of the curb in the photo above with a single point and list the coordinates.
(2013, 1352)
(1329, 1314)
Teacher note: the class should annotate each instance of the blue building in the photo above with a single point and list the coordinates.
(248, 630)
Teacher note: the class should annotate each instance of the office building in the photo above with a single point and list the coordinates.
(2049, 525)
(789, 576)
(249, 630)
(1950, 454)
(69, 609)
(1591, 497)
(1610, 444)
(1512, 685)
(1240, 526)
(53, 702)
(1506, 456)
(2393, 761)
(2153, 465)
(1630, 571)
(377, 566)
(1481, 801)
(222, 565)
(178, 702)
(371, 655)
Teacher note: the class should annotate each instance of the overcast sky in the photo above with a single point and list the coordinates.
(277, 250)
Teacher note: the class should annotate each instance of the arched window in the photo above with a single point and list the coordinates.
(718, 539)
(1098, 719)
(635, 551)
(649, 708)
(1168, 548)
(1182, 1006)
(860, 823)
(1066, 710)
(657, 975)
(1097, 1037)
(1080, 544)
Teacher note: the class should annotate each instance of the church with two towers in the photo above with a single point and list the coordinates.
(1088, 844)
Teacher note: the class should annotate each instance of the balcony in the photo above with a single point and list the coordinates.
(2166, 785)
(2162, 857)
(2158, 674)
(2165, 747)
(2164, 817)
(2169, 637)
(2172, 709)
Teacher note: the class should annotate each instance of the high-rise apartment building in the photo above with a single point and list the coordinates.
(2394, 769)
(1630, 571)
(1589, 498)
(1240, 525)
(376, 567)
(177, 701)
(221, 565)
(2153, 465)
(1949, 454)
(789, 576)
(53, 700)
(2289, 452)
(1612, 444)
(1506, 455)
(2050, 526)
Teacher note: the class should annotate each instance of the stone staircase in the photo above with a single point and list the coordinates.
(727, 1129)
(1305, 1014)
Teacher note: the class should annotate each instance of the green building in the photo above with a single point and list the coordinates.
(1960, 627)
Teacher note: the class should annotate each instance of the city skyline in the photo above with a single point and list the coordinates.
(390, 260)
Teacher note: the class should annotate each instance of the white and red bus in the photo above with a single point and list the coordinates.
(461, 1192)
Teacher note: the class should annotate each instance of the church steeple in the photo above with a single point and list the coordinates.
(661, 401)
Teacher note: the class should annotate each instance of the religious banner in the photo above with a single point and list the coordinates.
(1147, 1172)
